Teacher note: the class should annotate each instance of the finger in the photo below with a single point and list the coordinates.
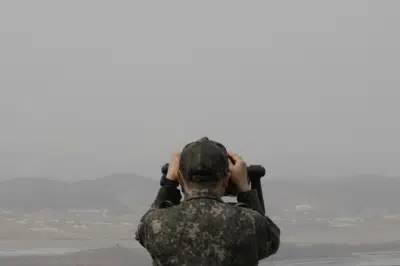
(230, 164)
(176, 155)
(174, 161)
(235, 157)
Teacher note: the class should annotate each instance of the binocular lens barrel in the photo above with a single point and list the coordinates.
(252, 170)
(254, 173)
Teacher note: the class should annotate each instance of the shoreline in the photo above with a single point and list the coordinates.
(289, 254)
(9, 253)
(287, 251)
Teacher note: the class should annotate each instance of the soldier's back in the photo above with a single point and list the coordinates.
(202, 231)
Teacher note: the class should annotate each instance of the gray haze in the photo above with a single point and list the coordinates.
(307, 88)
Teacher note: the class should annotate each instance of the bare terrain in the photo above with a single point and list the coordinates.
(99, 218)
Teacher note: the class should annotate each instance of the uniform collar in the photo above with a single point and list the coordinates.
(202, 194)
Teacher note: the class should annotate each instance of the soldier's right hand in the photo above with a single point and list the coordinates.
(238, 170)
(173, 168)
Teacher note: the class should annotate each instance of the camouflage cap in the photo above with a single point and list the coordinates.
(204, 160)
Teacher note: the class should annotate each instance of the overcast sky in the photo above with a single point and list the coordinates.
(306, 88)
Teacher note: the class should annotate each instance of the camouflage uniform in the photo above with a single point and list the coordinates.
(203, 230)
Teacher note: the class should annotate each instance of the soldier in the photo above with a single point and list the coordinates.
(202, 229)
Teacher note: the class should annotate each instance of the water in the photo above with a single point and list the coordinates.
(360, 259)
(36, 252)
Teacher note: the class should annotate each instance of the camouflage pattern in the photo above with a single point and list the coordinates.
(203, 230)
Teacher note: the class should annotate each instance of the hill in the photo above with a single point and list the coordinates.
(364, 195)
(117, 192)
(129, 192)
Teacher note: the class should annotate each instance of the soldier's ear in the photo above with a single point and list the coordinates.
(180, 178)
(226, 179)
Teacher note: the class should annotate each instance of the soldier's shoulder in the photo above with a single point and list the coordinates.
(161, 213)
(243, 210)
(240, 210)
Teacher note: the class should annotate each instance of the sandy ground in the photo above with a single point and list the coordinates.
(123, 256)
(102, 257)
(82, 233)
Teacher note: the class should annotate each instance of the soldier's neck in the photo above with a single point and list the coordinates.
(201, 192)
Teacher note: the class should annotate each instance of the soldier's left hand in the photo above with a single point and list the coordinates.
(173, 168)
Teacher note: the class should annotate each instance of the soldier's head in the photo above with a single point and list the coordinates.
(204, 164)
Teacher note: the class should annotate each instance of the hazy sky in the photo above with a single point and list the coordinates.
(307, 88)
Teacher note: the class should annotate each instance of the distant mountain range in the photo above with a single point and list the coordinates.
(362, 195)
(120, 192)
(129, 192)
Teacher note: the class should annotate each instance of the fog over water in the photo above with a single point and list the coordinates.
(307, 88)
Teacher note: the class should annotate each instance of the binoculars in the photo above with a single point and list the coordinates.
(254, 173)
